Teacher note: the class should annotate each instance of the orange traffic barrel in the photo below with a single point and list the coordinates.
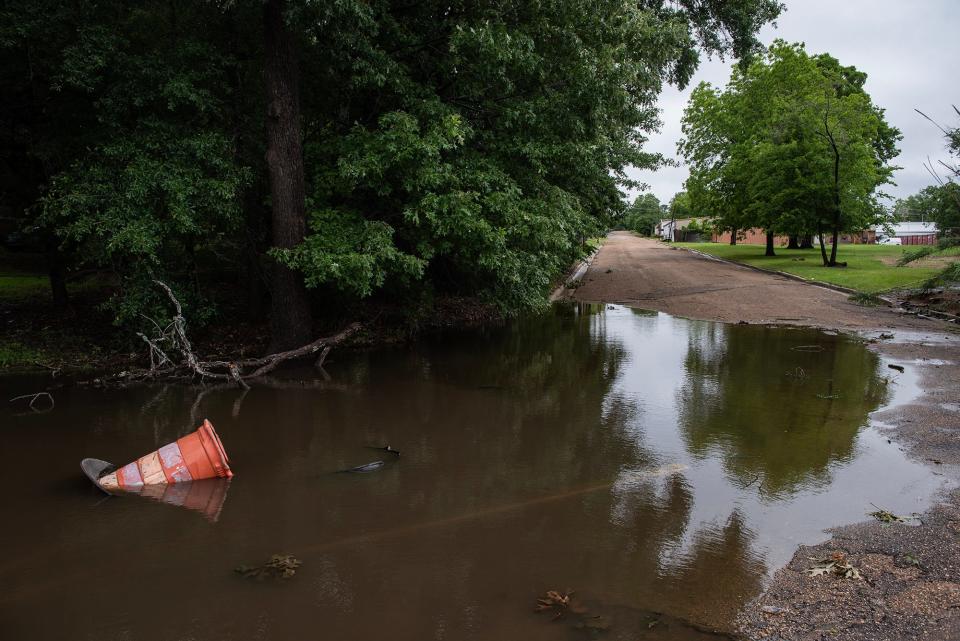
(198, 455)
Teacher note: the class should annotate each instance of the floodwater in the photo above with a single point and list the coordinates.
(660, 468)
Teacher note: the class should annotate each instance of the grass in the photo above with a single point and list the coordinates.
(18, 287)
(865, 272)
(913, 254)
(34, 332)
(13, 354)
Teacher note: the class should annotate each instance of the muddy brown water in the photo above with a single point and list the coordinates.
(661, 468)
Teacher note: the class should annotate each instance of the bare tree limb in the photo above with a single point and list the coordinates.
(33, 399)
(173, 338)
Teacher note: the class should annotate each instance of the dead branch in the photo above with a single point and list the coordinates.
(173, 339)
(54, 371)
(322, 358)
(33, 399)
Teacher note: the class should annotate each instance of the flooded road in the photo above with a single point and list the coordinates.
(658, 467)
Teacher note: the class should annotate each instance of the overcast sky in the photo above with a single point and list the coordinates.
(910, 50)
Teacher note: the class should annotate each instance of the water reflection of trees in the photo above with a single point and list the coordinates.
(779, 406)
(518, 473)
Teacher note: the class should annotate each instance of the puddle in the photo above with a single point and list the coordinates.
(658, 467)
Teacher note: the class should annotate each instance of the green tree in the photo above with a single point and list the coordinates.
(643, 214)
(159, 181)
(462, 149)
(44, 122)
(936, 203)
(792, 145)
(680, 205)
(486, 141)
(714, 148)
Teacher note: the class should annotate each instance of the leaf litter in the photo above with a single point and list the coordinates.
(280, 566)
(836, 564)
(886, 516)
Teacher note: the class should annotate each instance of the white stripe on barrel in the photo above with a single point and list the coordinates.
(172, 461)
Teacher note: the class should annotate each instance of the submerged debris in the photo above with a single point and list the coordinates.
(48, 405)
(280, 566)
(560, 604)
(389, 449)
(899, 368)
(807, 348)
(366, 468)
(886, 516)
(799, 373)
(836, 564)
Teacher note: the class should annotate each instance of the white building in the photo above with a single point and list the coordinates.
(911, 233)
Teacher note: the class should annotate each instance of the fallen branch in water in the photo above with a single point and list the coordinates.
(33, 399)
(173, 339)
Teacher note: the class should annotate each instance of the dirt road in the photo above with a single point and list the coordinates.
(911, 585)
(645, 273)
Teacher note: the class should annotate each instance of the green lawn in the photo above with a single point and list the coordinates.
(864, 272)
(14, 287)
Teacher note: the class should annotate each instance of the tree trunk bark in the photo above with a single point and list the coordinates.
(794, 243)
(290, 320)
(823, 249)
(836, 241)
(58, 280)
(836, 200)
(806, 242)
(733, 236)
(770, 251)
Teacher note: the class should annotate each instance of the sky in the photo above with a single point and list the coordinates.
(909, 50)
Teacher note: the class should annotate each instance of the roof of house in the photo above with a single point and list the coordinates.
(682, 222)
(907, 229)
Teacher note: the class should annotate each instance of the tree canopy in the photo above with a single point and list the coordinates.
(463, 148)
(939, 204)
(792, 145)
(643, 214)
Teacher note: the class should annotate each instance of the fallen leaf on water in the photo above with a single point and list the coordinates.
(282, 566)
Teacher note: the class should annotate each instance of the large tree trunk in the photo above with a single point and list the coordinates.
(733, 236)
(806, 242)
(836, 211)
(58, 280)
(290, 310)
(770, 251)
(836, 241)
(794, 243)
(836, 198)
